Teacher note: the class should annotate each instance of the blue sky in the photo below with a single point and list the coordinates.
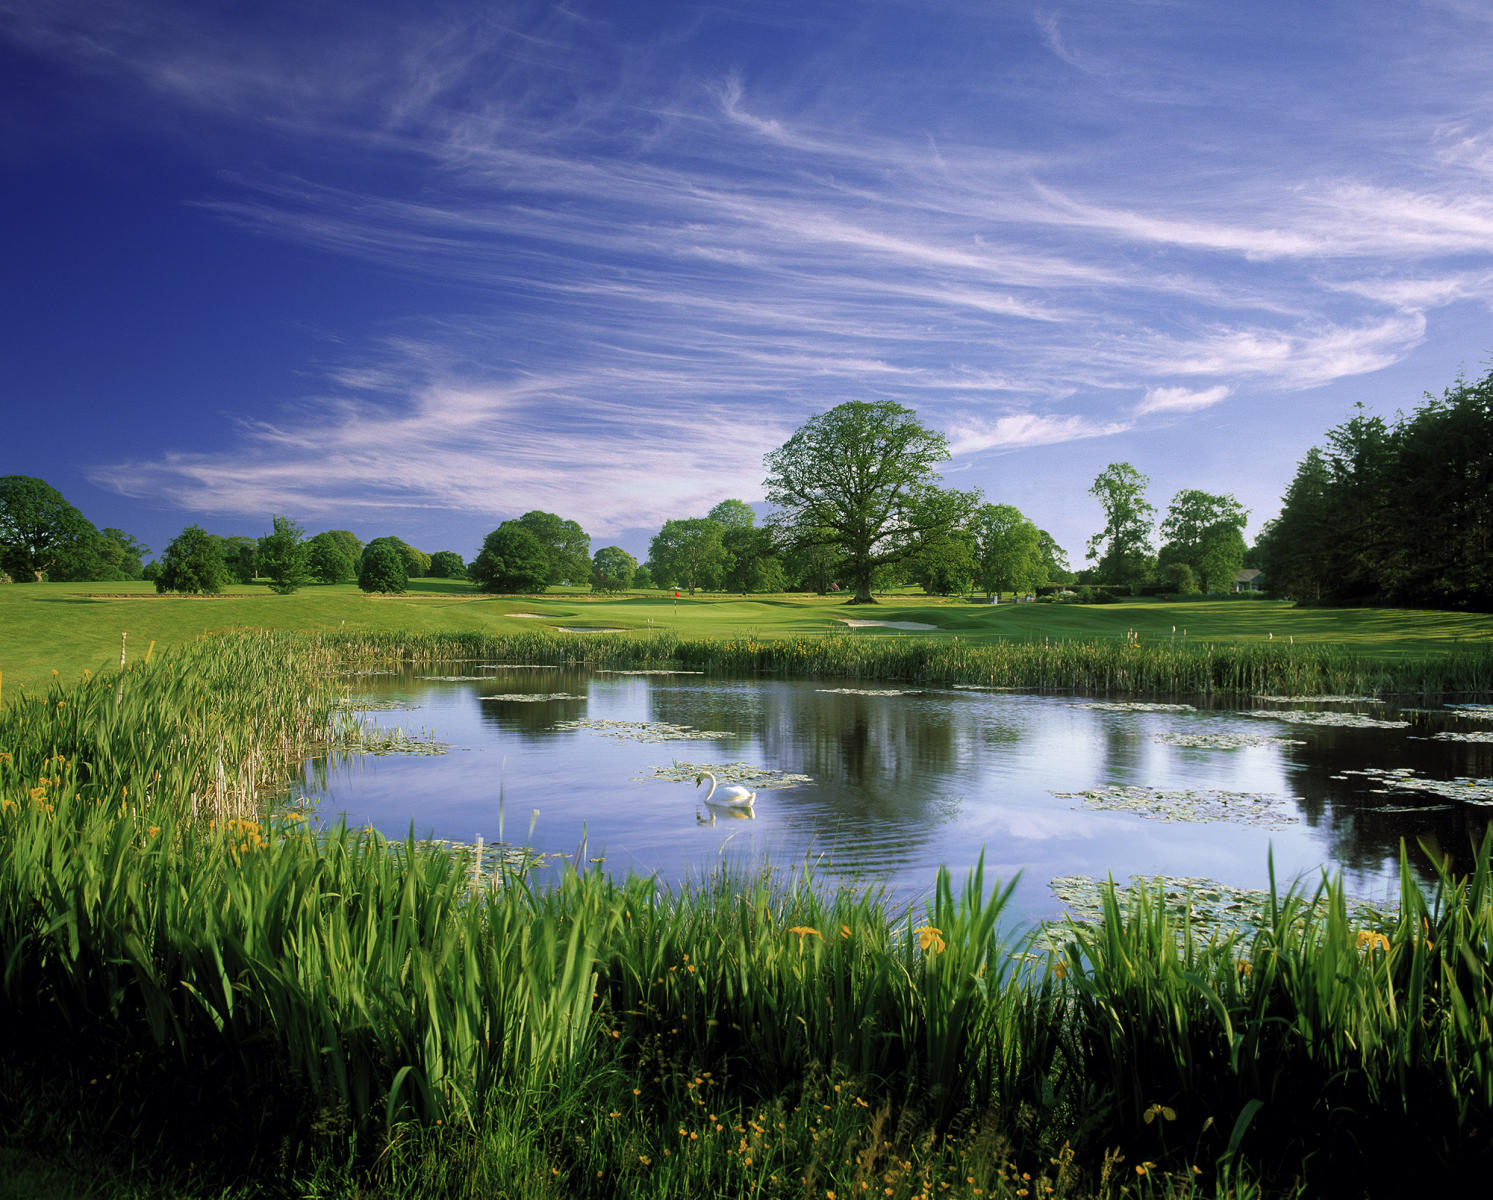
(417, 269)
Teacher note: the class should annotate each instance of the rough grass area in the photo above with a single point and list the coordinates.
(199, 1001)
(68, 627)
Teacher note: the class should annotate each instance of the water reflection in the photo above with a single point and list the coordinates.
(900, 783)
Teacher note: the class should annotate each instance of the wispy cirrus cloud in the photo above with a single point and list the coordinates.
(687, 227)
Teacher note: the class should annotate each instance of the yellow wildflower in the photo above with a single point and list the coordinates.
(804, 931)
(931, 938)
(1369, 940)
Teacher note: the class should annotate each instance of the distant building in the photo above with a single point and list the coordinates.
(1249, 580)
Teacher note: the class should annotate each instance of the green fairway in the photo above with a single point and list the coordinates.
(70, 626)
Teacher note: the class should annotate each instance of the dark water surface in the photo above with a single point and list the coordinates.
(903, 783)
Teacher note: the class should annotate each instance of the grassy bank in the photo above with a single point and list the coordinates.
(229, 995)
(72, 626)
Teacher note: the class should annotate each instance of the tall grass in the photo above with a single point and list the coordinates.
(174, 968)
(1100, 665)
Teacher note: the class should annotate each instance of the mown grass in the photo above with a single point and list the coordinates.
(207, 994)
(72, 626)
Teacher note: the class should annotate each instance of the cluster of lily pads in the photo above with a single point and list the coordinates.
(749, 775)
(367, 740)
(845, 691)
(1463, 790)
(1338, 720)
(1146, 706)
(1158, 804)
(531, 697)
(641, 731)
(1321, 699)
(1213, 907)
(654, 671)
(1224, 741)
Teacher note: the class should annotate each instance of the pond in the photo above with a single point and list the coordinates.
(880, 784)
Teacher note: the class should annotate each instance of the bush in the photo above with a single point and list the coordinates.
(192, 564)
(382, 569)
(447, 564)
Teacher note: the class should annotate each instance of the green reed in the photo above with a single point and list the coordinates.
(174, 967)
(1100, 665)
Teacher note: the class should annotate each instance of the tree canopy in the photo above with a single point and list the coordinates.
(193, 564)
(1008, 550)
(329, 560)
(690, 553)
(612, 569)
(1206, 533)
(861, 479)
(566, 546)
(1123, 546)
(512, 559)
(381, 568)
(38, 528)
(1394, 514)
(284, 556)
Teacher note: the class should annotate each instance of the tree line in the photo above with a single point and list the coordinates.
(858, 506)
(1394, 512)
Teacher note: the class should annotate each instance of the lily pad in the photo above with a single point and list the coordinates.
(1337, 720)
(642, 731)
(1475, 735)
(1321, 699)
(1463, 789)
(660, 671)
(870, 691)
(390, 741)
(1473, 712)
(1136, 706)
(1216, 908)
(750, 776)
(531, 697)
(1224, 741)
(372, 704)
(1245, 808)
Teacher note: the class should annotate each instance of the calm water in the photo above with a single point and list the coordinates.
(901, 784)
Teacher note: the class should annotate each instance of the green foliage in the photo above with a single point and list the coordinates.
(1177, 577)
(447, 564)
(1206, 533)
(285, 557)
(752, 562)
(512, 559)
(328, 560)
(643, 577)
(240, 556)
(613, 569)
(347, 541)
(179, 980)
(1009, 551)
(567, 548)
(108, 554)
(381, 568)
(416, 562)
(1123, 546)
(38, 528)
(689, 554)
(192, 564)
(861, 481)
(1398, 514)
(733, 514)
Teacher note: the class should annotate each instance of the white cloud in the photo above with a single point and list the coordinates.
(1178, 399)
(972, 435)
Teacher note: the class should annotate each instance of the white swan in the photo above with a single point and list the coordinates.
(733, 795)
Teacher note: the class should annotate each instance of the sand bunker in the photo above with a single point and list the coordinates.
(856, 624)
(529, 616)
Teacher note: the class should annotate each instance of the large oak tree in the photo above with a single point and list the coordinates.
(861, 479)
